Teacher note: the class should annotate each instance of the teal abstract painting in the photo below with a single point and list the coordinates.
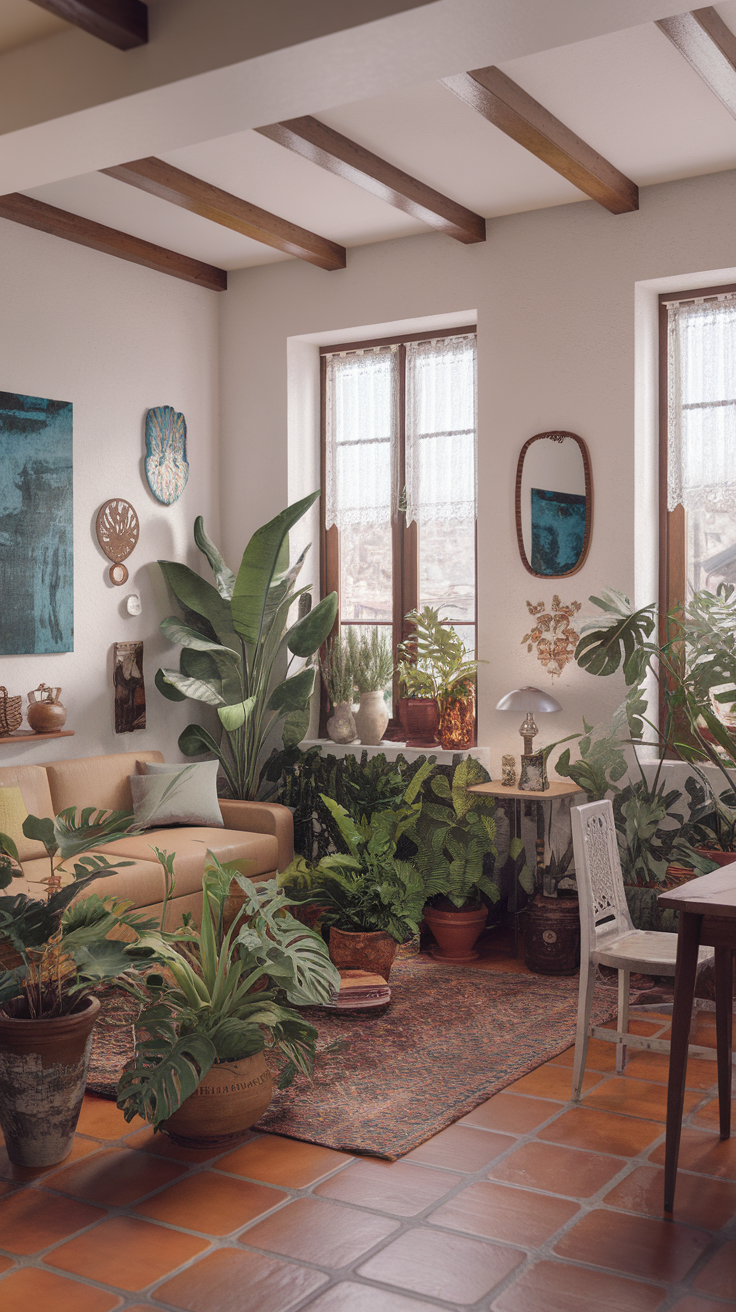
(558, 530)
(36, 526)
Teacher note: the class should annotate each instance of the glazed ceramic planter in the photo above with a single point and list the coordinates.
(358, 951)
(552, 934)
(43, 1071)
(422, 722)
(232, 1096)
(341, 724)
(457, 724)
(371, 718)
(456, 933)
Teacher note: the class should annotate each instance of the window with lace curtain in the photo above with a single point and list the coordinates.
(697, 442)
(399, 480)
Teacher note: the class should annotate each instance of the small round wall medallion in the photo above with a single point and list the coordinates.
(118, 574)
(549, 936)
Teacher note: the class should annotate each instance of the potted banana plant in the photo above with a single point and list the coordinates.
(237, 641)
(199, 1071)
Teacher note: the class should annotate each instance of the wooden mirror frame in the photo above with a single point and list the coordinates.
(557, 435)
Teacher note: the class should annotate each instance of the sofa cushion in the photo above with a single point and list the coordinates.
(102, 781)
(34, 788)
(192, 800)
(257, 854)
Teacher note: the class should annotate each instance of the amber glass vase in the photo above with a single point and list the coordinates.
(457, 723)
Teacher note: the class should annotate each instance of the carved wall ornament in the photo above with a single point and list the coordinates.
(117, 530)
(167, 467)
(130, 692)
(552, 634)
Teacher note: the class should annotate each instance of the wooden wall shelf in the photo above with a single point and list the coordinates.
(27, 736)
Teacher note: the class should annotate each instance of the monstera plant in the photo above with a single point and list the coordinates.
(239, 648)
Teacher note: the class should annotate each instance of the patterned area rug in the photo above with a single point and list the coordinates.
(451, 1038)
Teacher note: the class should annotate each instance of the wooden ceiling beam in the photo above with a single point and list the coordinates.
(121, 23)
(505, 104)
(72, 227)
(709, 47)
(338, 154)
(172, 184)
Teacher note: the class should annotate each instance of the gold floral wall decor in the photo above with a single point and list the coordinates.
(552, 634)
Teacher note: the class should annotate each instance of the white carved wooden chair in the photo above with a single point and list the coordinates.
(608, 938)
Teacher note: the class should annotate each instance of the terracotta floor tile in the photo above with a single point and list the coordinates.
(126, 1252)
(103, 1120)
(661, 1250)
(5, 1263)
(461, 1148)
(601, 1056)
(497, 1211)
(718, 1276)
(161, 1145)
(214, 1204)
(31, 1219)
(557, 1287)
(636, 1098)
(559, 1170)
(22, 1174)
(35, 1288)
(217, 1284)
(347, 1297)
(401, 1188)
(314, 1230)
(701, 1074)
(551, 1081)
(282, 1161)
(704, 1153)
(509, 1112)
(708, 1203)
(116, 1177)
(691, 1303)
(458, 1270)
(707, 1117)
(583, 1127)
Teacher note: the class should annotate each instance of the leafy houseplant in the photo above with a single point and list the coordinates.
(433, 667)
(62, 948)
(373, 670)
(236, 643)
(199, 1070)
(338, 671)
(371, 898)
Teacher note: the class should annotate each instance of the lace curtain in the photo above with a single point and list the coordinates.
(361, 436)
(441, 481)
(701, 455)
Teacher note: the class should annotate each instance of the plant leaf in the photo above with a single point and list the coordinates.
(308, 634)
(224, 577)
(262, 559)
(294, 693)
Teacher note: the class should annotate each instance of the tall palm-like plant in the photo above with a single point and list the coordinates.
(238, 645)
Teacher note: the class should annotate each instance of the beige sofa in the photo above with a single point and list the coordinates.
(257, 835)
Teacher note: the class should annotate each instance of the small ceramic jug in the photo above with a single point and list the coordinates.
(45, 712)
(341, 724)
(372, 718)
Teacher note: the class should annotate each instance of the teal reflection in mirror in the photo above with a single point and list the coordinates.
(554, 504)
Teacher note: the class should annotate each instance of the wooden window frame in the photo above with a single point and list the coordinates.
(405, 555)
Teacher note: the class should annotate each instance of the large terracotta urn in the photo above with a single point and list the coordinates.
(232, 1096)
(43, 1071)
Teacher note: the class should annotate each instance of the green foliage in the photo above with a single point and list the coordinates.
(237, 643)
(433, 658)
(373, 666)
(338, 668)
(210, 1012)
(455, 837)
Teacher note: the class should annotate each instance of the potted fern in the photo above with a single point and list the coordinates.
(199, 1071)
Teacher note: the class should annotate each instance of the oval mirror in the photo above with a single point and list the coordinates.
(554, 504)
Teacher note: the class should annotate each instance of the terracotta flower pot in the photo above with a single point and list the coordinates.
(43, 1071)
(232, 1096)
(456, 933)
(552, 935)
(358, 951)
(422, 722)
(716, 855)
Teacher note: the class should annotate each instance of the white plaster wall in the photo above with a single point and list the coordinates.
(556, 292)
(114, 339)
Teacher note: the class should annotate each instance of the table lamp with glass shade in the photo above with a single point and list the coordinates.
(533, 777)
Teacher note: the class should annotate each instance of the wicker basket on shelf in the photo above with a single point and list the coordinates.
(11, 714)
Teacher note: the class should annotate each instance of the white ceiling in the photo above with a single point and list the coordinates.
(22, 23)
(629, 94)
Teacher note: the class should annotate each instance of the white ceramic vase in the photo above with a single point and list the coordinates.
(341, 724)
(371, 718)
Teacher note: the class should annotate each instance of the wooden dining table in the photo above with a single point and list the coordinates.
(707, 908)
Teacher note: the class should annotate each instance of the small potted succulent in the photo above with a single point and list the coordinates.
(337, 665)
(373, 671)
(227, 997)
(439, 682)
